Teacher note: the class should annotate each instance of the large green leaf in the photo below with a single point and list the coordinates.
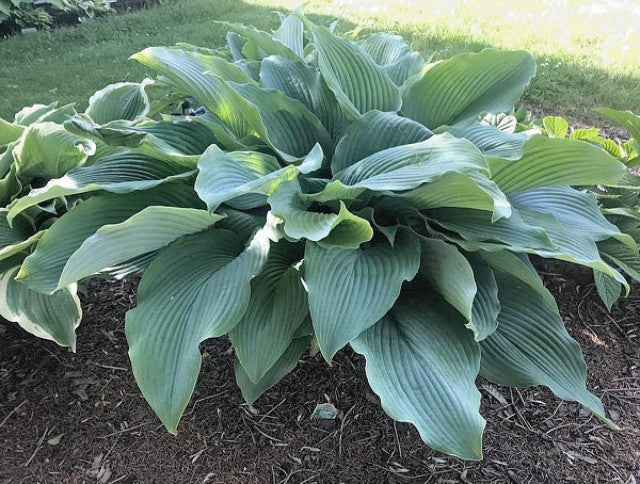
(112, 138)
(42, 270)
(54, 317)
(278, 306)
(197, 288)
(532, 347)
(180, 137)
(518, 266)
(234, 43)
(6, 158)
(39, 113)
(242, 179)
(493, 142)
(392, 53)
(478, 230)
(226, 70)
(554, 162)
(459, 89)
(373, 132)
(423, 363)
(409, 166)
(186, 72)
(119, 173)
(448, 273)
(47, 150)
(179, 140)
(10, 235)
(289, 127)
(608, 288)
(242, 222)
(486, 304)
(569, 245)
(17, 238)
(287, 362)
(321, 190)
(343, 228)
(622, 256)
(525, 231)
(10, 186)
(146, 231)
(291, 34)
(244, 108)
(124, 100)
(9, 132)
(350, 290)
(359, 84)
(465, 282)
(575, 210)
(303, 82)
(266, 44)
(455, 190)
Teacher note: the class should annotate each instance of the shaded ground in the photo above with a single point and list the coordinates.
(80, 418)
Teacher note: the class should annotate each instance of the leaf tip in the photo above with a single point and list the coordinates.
(327, 354)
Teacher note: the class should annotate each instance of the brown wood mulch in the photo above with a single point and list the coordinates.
(71, 418)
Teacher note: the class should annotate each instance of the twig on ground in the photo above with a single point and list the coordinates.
(11, 413)
(44, 434)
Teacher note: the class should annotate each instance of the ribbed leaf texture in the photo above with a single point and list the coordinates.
(304, 190)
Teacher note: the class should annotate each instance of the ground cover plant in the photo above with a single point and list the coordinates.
(619, 203)
(318, 191)
(25, 14)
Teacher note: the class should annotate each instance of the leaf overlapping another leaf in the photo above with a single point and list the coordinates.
(319, 190)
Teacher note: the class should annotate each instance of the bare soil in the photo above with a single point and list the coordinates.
(75, 418)
(608, 129)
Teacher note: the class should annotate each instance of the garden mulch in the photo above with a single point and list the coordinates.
(67, 418)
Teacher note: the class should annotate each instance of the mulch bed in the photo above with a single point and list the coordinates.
(68, 417)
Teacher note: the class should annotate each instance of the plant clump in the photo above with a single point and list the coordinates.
(324, 191)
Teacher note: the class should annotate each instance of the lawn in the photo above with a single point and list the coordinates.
(587, 54)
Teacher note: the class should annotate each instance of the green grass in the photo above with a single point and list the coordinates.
(586, 58)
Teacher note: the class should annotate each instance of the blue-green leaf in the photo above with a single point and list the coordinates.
(199, 287)
(409, 166)
(50, 316)
(359, 84)
(124, 100)
(343, 228)
(532, 347)
(373, 132)
(286, 363)
(459, 89)
(277, 308)
(351, 289)
(553, 162)
(41, 271)
(423, 363)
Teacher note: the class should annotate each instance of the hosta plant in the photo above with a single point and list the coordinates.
(33, 148)
(24, 14)
(620, 203)
(86, 9)
(327, 192)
